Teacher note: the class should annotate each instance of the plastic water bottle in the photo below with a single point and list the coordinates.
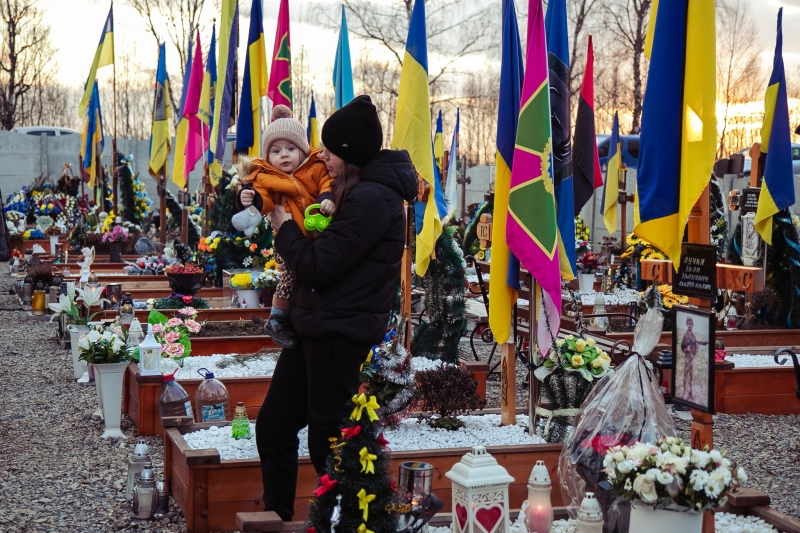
(174, 400)
(211, 399)
(240, 428)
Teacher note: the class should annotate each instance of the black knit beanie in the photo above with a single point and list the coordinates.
(353, 132)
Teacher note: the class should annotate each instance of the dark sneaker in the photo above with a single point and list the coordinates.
(279, 327)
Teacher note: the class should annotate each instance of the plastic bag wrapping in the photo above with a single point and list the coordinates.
(624, 407)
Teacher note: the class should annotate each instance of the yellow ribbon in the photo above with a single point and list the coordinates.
(363, 501)
(361, 403)
(366, 460)
(363, 529)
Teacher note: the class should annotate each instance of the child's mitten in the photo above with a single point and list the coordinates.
(247, 220)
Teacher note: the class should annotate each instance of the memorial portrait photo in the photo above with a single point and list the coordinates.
(693, 358)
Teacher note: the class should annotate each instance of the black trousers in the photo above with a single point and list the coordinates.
(312, 385)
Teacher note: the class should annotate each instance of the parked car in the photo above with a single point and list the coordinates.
(630, 150)
(50, 131)
(795, 160)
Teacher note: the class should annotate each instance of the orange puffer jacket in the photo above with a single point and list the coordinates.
(303, 187)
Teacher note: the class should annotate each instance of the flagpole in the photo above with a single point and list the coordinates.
(114, 141)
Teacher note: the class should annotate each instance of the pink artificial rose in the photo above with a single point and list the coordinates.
(188, 311)
(171, 336)
(192, 326)
(174, 322)
(174, 350)
(158, 328)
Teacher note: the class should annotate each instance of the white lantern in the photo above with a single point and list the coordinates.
(590, 516)
(149, 355)
(480, 493)
(539, 514)
(135, 333)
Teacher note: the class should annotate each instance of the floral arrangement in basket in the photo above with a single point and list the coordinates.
(30, 234)
(173, 333)
(671, 475)
(115, 234)
(576, 354)
(588, 264)
(243, 281)
(106, 345)
(267, 279)
(53, 230)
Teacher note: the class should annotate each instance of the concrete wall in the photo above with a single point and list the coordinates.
(23, 157)
(481, 180)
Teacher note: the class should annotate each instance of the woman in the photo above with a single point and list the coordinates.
(345, 284)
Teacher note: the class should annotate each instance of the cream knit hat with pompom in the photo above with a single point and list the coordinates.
(284, 128)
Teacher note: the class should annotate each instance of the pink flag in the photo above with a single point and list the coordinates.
(531, 231)
(197, 137)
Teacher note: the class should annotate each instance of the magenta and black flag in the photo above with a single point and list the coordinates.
(586, 163)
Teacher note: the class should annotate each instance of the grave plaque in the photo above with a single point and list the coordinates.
(696, 276)
(748, 203)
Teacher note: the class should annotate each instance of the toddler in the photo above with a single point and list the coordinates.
(292, 175)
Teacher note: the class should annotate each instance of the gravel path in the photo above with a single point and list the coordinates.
(58, 475)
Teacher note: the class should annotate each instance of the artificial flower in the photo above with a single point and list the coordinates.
(577, 361)
(580, 345)
(645, 489)
(174, 350)
(192, 326)
(349, 433)
(173, 322)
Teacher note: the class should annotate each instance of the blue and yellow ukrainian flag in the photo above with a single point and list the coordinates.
(438, 145)
(160, 145)
(206, 109)
(555, 23)
(342, 69)
(412, 129)
(254, 86)
(92, 139)
(312, 131)
(679, 123)
(182, 131)
(502, 295)
(104, 55)
(611, 189)
(777, 188)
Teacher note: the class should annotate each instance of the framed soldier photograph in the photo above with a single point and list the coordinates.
(693, 358)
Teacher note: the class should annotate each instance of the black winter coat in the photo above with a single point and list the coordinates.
(347, 277)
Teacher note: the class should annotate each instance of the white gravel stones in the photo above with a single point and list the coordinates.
(411, 435)
(223, 366)
(731, 523)
(724, 523)
(754, 361)
(619, 297)
(229, 366)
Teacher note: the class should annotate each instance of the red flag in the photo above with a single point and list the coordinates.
(280, 82)
(586, 169)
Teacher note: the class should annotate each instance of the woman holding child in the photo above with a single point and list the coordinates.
(342, 280)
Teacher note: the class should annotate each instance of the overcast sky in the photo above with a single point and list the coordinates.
(76, 26)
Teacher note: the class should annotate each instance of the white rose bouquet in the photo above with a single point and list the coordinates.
(107, 345)
(671, 475)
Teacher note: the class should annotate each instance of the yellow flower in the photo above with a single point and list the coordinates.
(590, 341)
(597, 363)
(604, 356)
(580, 345)
(577, 361)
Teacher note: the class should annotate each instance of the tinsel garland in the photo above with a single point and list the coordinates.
(357, 488)
(444, 282)
(391, 379)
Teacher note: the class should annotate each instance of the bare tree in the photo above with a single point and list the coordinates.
(739, 74)
(134, 96)
(626, 22)
(380, 80)
(24, 57)
(580, 13)
(455, 29)
(478, 104)
(182, 18)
